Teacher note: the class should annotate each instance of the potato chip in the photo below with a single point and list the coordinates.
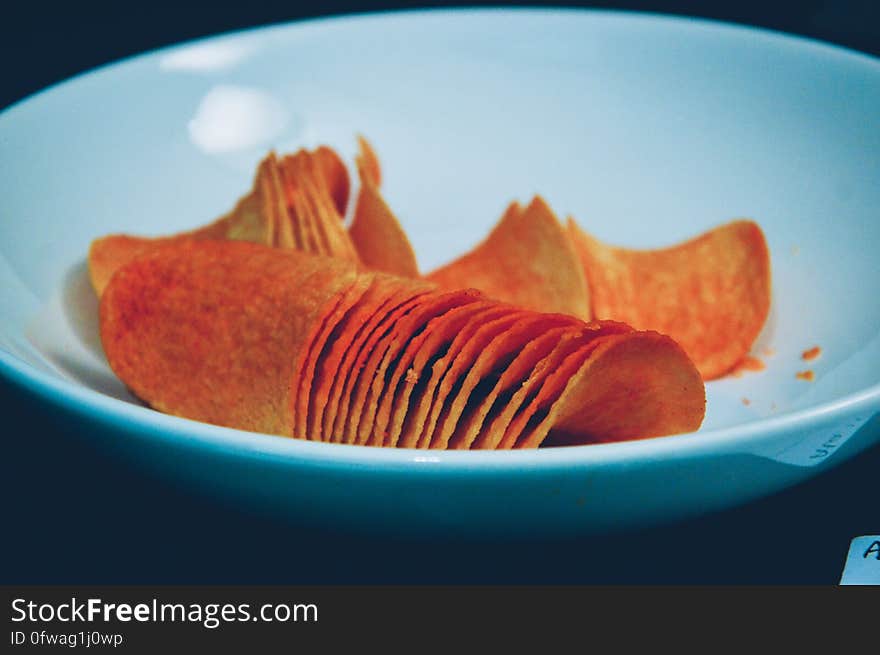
(511, 379)
(633, 386)
(358, 382)
(262, 216)
(429, 363)
(527, 260)
(384, 357)
(368, 163)
(406, 377)
(312, 210)
(107, 254)
(433, 399)
(523, 426)
(213, 330)
(484, 375)
(334, 176)
(503, 427)
(378, 237)
(346, 340)
(306, 406)
(453, 389)
(711, 293)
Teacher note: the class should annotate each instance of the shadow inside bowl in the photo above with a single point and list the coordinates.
(66, 334)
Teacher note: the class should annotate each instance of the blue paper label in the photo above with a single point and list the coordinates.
(862, 562)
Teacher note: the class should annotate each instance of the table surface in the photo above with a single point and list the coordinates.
(75, 514)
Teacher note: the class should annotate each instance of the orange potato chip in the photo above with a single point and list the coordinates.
(484, 375)
(334, 175)
(527, 260)
(263, 216)
(432, 401)
(112, 252)
(415, 400)
(454, 389)
(385, 355)
(407, 377)
(504, 427)
(357, 384)
(633, 386)
(711, 293)
(523, 426)
(513, 377)
(306, 409)
(252, 219)
(205, 329)
(378, 237)
(312, 209)
(367, 163)
(346, 340)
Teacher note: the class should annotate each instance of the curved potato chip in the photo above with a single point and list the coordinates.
(454, 389)
(407, 377)
(263, 215)
(527, 260)
(711, 293)
(367, 163)
(311, 208)
(484, 375)
(414, 400)
(378, 237)
(433, 398)
(356, 386)
(505, 427)
(334, 176)
(633, 386)
(332, 372)
(307, 401)
(524, 423)
(513, 377)
(213, 330)
(110, 253)
(386, 355)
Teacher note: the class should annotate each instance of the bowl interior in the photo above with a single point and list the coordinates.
(647, 130)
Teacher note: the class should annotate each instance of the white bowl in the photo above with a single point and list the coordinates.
(647, 129)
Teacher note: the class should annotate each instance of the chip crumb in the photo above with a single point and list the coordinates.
(746, 402)
(811, 354)
(807, 375)
(767, 351)
(411, 376)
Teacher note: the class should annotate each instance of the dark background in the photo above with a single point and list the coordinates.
(73, 514)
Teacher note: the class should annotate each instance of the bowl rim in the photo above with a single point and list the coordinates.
(93, 404)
